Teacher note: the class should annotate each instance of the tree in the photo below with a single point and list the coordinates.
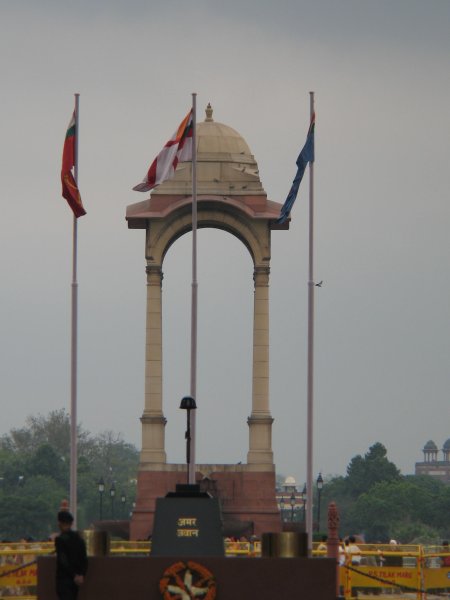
(34, 474)
(363, 472)
(388, 508)
(438, 511)
(374, 467)
(374, 499)
(45, 461)
(52, 430)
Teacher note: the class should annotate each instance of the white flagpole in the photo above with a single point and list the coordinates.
(191, 473)
(310, 376)
(74, 343)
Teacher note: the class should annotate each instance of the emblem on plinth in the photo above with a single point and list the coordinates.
(186, 581)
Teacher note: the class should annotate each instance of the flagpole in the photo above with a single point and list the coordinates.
(310, 376)
(74, 341)
(191, 465)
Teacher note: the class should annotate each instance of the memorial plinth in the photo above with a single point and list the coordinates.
(236, 578)
(187, 523)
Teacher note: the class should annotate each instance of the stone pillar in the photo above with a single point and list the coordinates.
(333, 539)
(260, 420)
(153, 420)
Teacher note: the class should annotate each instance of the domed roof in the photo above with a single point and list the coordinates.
(217, 138)
(225, 164)
(430, 445)
(290, 480)
(446, 446)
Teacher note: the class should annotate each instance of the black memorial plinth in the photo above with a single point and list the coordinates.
(187, 523)
(138, 578)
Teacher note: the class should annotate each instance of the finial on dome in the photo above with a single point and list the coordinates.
(209, 112)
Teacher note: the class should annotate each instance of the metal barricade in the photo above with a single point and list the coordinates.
(407, 571)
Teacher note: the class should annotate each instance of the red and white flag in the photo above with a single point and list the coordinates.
(177, 149)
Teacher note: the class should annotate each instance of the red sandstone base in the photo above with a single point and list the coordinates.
(247, 499)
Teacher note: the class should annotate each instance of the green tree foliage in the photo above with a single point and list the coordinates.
(46, 462)
(34, 475)
(22, 514)
(386, 506)
(365, 471)
(375, 500)
(52, 430)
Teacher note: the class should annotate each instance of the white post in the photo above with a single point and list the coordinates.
(191, 474)
(310, 376)
(74, 343)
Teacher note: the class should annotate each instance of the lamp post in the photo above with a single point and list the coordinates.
(282, 507)
(292, 501)
(319, 483)
(303, 495)
(101, 489)
(123, 499)
(188, 404)
(112, 493)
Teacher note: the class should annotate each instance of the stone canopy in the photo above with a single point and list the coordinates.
(227, 172)
(230, 197)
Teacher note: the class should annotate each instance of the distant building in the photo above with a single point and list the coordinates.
(290, 501)
(431, 464)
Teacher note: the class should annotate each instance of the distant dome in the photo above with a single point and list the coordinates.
(225, 164)
(430, 446)
(446, 446)
(290, 481)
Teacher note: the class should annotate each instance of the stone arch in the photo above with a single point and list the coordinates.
(210, 215)
(255, 235)
(224, 375)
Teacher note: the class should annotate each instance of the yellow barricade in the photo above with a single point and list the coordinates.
(436, 575)
(23, 577)
(377, 568)
(126, 548)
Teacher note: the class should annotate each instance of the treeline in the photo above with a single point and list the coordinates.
(373, 498)
(376, 500)
(34, 476)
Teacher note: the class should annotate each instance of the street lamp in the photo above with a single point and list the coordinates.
(123, 499)
(292, 500)
(188, 404)
(101, 489)
(112, 493)
(319, 483)
(303, 496)
(282, 507)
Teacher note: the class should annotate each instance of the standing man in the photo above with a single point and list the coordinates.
(71, 558)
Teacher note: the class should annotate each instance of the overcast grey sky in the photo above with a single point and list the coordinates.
(381, 75)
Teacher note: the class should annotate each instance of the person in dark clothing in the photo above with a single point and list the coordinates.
(71, 558)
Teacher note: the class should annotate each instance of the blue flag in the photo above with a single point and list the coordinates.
(305, 156)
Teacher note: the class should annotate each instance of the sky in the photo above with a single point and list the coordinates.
(380, 75)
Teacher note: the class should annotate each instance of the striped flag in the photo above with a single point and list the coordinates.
(177, 149)
(306, 155)
(69, 186)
